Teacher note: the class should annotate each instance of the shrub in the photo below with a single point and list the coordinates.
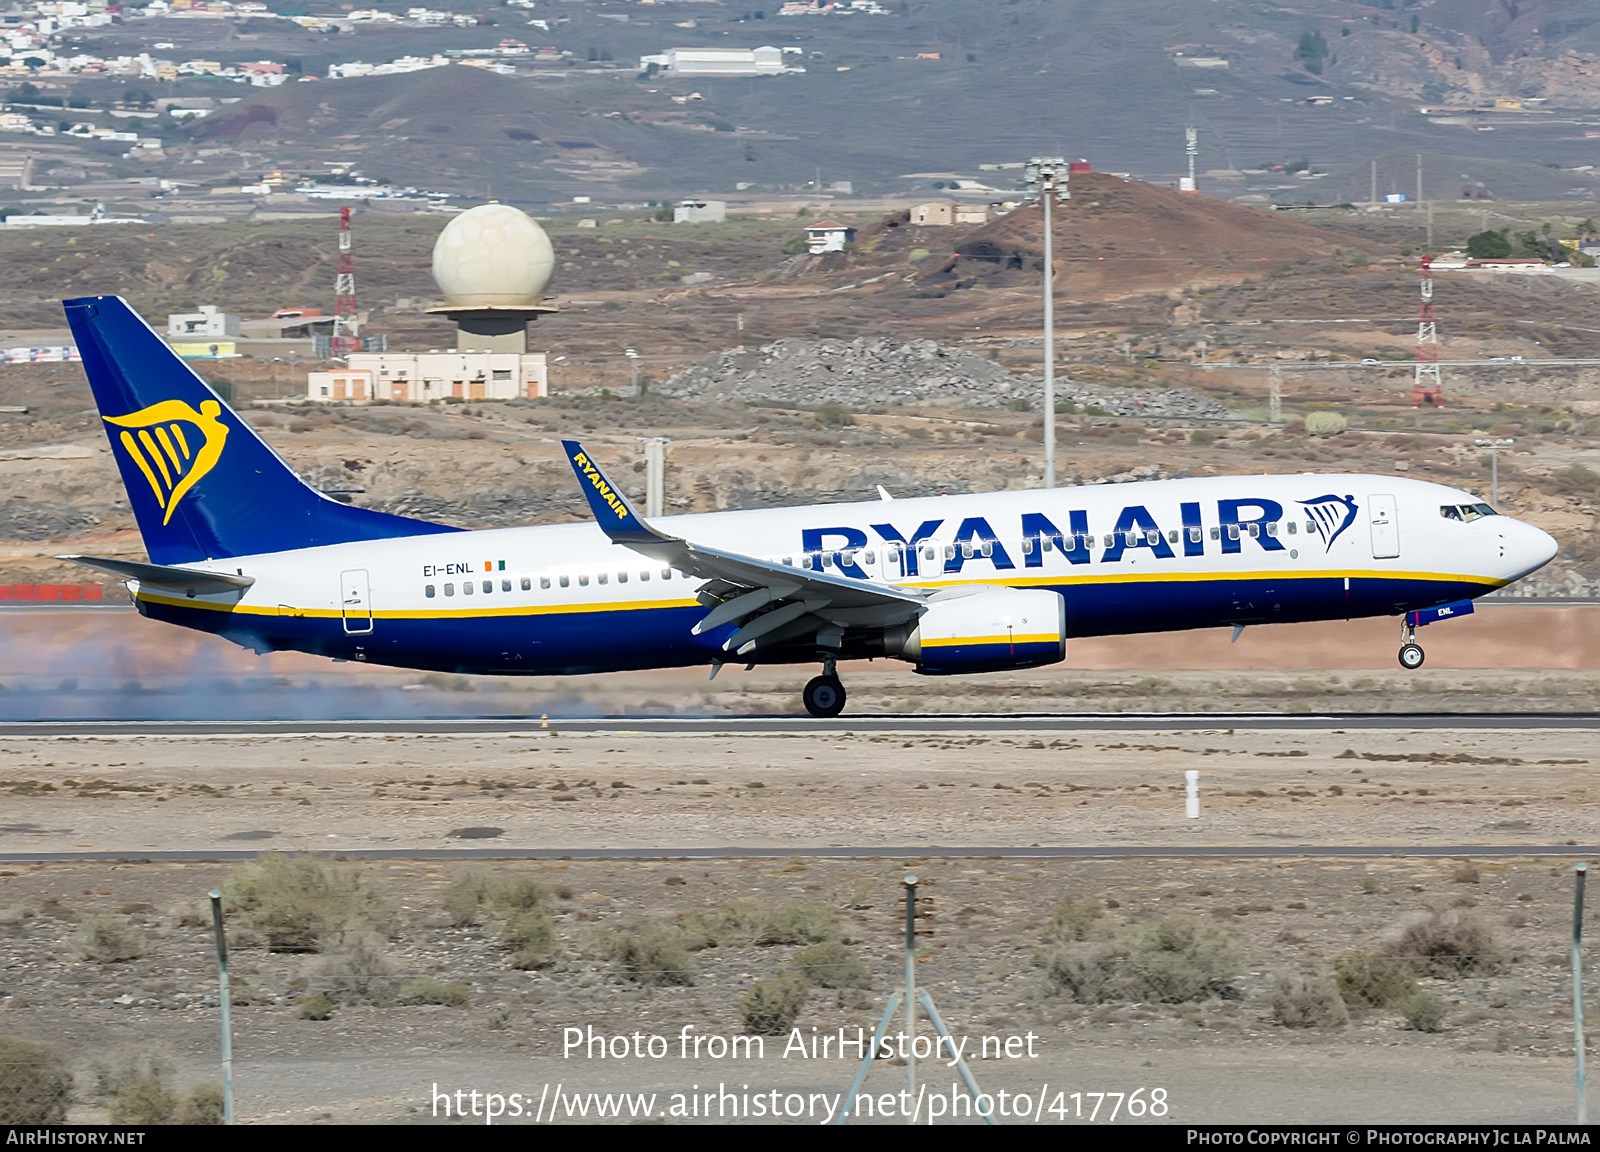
(1308, 1002)
(750, 923)
(530, 935)
(656, 954)
(109, 940)
(357, 969)
(1367, 981)
(517, 894)
(1072, 920)
(202, 1104)
(428, 990)
(834, 415)
(1452, 942)
(1326, 423)
(140, 1093)
(464, 895)
(317, 1007)
(830, 965)
(35, 1083)
(795, 246)
(1201, 436)
(918, 255)
(298, 902)
(770, 1007)
(1424, 1011)
(1173, 959)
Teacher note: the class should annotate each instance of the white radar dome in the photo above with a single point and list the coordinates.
(493, 256)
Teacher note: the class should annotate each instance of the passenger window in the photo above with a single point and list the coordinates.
(1172, 536)
(988, 547)
(927, 553)
(826, 560)
(622, 577)
(505, 585)
(1194, 535)
(449, 589)
(1233, 531)
(602, 578)
(466, 587)
(1216, 533)
(527, 584)
(1310, 527)
(666, 573)
(1272, 528)
(488, 586)
(1027, 546)
(1291, 527)
(966, 550)
(1152, 538)
(788, 561)
(1110, 540)
(846, 558)
(1255, 529)
(544, 581)
(1044, 543)
(644, 574)
(583, 580)
(950, 551)
(428, 591)
(869, 558)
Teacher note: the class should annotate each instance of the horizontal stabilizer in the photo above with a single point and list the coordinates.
(188, 580)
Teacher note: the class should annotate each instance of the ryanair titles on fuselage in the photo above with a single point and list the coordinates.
(1327, 518)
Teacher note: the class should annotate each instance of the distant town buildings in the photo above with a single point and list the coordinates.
(207, 323)
(829, 236)
(421, 377)
(934, 214)
(763, 61)
(700, 212)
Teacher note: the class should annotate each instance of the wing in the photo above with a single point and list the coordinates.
(776, 602)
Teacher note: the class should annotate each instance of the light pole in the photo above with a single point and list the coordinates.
(1494, 447)
(633, 367)
(1047, 175)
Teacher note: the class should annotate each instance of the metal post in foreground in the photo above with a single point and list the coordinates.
(655, 474)
(1191, 793)
(1582, 871)
(1048, 174)
(227, 1019)
(911, 983)
(1494, 446)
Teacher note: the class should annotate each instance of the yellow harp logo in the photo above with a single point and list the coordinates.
(173, 445)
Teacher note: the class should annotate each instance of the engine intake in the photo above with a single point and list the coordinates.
(988, 629)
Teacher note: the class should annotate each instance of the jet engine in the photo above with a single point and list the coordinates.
(980, 628)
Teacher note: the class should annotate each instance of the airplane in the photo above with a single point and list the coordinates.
(241, 547)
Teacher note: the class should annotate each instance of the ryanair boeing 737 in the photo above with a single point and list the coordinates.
(239, 546)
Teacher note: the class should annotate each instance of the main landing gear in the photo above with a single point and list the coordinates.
(1411, 654)
(824, 695)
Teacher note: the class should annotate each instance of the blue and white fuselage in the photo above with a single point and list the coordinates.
(240, 547)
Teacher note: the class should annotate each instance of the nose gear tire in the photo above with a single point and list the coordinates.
(1411, 657)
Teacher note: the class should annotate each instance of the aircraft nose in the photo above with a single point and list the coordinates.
(1528, 548)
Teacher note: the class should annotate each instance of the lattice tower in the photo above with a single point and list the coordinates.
(1427, 387)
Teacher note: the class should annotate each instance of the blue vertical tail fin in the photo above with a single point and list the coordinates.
(201, 483)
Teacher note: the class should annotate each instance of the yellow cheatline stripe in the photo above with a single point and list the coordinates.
(177, 434)
(172, 453)
(155, 455)
(950, 641)
(1216, 577)
(137, 456)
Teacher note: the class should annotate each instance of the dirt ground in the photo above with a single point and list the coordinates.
(1503, 1055)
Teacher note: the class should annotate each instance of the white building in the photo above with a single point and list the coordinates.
(418, 377)
(763, 61)
(700, 212)
(207, 322)
(829, 236)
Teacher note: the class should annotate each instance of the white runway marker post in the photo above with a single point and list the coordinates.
(1191, 794)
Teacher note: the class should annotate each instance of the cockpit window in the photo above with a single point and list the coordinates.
(1466, 512)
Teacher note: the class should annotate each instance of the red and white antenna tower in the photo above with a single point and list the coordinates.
(346, 324)
(1427, 388)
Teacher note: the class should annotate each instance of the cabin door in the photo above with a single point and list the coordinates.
(1385, 521)
(355, 601)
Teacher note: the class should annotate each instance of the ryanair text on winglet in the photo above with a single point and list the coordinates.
(606, 494)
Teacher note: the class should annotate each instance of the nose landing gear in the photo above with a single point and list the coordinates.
(824, 695)
(1411, 654)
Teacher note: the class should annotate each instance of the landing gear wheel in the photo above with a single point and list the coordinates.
(824, 696)
(1411, 657)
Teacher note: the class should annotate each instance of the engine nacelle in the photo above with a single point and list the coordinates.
(988, 629)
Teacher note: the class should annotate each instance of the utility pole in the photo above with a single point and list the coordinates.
(1374, 197)
(1048, 175)
(346, 321)
(1419, 178)
(1275, 395)
(633, 368)
(1494, 447)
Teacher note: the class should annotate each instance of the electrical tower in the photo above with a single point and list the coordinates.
(346, 324)
(1427, 387)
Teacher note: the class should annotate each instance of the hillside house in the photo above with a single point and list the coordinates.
(207, 323)
(418, 378)
(934, 214)
(829, 236)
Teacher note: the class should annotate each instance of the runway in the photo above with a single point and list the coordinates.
(806, 725)
(873, 852)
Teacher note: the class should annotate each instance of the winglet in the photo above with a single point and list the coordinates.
(617, 518)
